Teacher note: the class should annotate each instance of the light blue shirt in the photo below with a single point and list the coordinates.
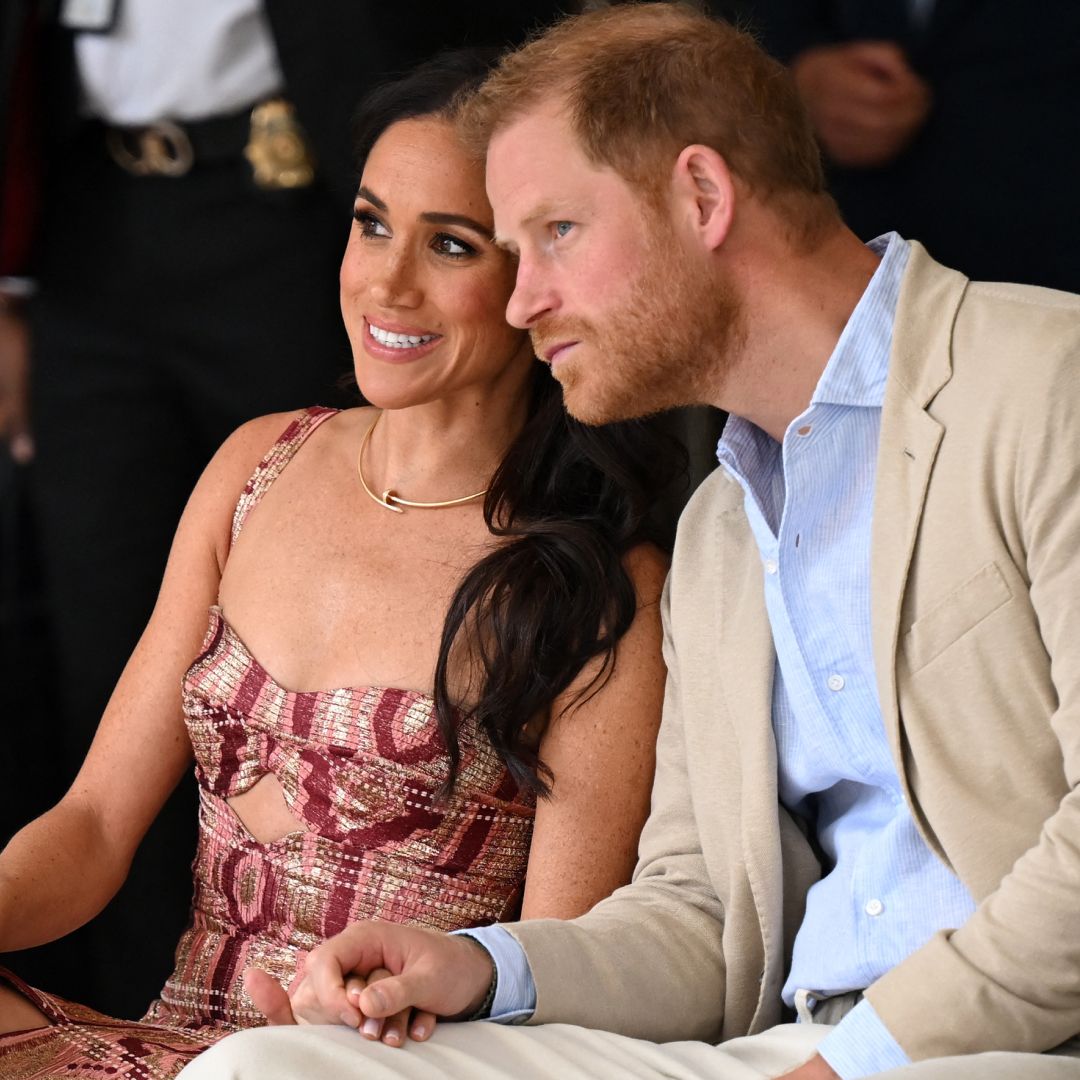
(809, 503)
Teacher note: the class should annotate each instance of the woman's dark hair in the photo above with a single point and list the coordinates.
(570, 501)
(433, 88)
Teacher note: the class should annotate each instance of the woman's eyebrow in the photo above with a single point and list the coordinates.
(435, 217)
(371, 197)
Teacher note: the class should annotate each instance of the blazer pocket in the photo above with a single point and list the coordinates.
(952, 617)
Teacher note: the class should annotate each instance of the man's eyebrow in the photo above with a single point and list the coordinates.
(542, 212)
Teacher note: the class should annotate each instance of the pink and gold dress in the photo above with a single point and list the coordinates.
(359, 768)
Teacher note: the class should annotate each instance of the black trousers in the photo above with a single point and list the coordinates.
(170, 311)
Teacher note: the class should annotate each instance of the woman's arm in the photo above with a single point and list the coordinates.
(602, 754)
(64, 867)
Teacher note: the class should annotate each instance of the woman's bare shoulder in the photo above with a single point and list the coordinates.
(648, 568)
(212, 504)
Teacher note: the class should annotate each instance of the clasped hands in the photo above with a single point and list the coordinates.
(413, 976)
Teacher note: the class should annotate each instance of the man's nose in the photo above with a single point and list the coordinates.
(533, 296)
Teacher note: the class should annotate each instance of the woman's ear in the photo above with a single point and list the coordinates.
(704, 188)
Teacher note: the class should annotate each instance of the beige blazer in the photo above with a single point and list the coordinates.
(975, 569)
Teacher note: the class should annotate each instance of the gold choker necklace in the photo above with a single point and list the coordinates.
(388, 500)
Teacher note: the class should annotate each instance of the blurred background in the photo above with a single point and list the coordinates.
(175, 194)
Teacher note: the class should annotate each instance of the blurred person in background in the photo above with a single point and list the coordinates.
(175, 180)
(955, 121)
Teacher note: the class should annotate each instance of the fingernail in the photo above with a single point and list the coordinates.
(392, 1037)
(372, 1028)
(419, 1031)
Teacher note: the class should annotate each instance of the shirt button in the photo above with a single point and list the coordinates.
(804, 430)
(874, 907)
(835, 682)
(771, 566)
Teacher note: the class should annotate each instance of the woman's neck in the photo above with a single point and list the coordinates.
(445, 449)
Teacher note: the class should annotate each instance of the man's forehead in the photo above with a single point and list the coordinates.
(536, 159)
(544, 124)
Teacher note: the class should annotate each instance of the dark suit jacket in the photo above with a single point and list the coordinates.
(990, 184)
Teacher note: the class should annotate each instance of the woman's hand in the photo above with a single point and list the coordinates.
(386, 980)
(302, 1005)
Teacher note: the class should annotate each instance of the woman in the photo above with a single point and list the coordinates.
(461, 560)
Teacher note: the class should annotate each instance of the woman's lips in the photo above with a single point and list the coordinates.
(398, 353)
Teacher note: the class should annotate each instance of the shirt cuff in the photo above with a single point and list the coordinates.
(861, 1045)
(515, 994)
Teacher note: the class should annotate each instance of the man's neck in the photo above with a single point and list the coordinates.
(796, 305)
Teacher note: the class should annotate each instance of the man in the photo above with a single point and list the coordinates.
(864, 807)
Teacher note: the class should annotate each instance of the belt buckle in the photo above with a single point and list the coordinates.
(160, 149)
(277, 149)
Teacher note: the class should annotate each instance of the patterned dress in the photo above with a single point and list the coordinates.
(359, 769)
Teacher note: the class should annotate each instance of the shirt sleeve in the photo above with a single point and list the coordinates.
(515, 993)
(861, 1045)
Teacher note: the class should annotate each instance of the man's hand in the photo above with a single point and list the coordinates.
(14, 380)
(865, 101)
(817, 1068)
(374, 976)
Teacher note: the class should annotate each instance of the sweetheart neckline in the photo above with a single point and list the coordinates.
(217, 613)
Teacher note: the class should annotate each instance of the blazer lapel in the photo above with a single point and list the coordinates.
(744, 639)
(919, 366)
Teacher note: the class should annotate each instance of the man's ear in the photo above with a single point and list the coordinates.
(704, 188)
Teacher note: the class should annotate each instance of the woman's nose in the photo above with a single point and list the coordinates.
(395, 283)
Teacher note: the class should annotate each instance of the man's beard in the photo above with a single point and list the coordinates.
(670, 344)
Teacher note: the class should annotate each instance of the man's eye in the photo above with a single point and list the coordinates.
(451, 245)
(561, 228)
(369, 224)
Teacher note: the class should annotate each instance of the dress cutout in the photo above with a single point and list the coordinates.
(359, 769)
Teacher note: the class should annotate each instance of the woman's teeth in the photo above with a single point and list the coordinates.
(399, 341)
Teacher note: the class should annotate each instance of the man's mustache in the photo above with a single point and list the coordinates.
(557, 331)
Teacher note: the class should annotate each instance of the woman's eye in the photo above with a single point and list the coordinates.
(452, 246)
(561, 228)
(369, 224)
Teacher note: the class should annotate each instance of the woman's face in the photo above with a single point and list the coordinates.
(423, 287)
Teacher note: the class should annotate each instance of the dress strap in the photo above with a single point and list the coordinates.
(276, 458)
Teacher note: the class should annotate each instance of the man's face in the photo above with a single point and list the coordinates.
(631, 317)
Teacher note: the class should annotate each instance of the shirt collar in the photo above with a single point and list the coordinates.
(856, 371)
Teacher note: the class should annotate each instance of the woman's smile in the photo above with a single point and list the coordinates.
(396, 343)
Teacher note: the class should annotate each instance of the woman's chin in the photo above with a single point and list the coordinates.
(377, 393)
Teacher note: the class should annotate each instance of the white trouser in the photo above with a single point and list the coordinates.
(485, 1051)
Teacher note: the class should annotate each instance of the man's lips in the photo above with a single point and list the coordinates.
(553, 353)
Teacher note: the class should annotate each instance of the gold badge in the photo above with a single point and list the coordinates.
(278, 152)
